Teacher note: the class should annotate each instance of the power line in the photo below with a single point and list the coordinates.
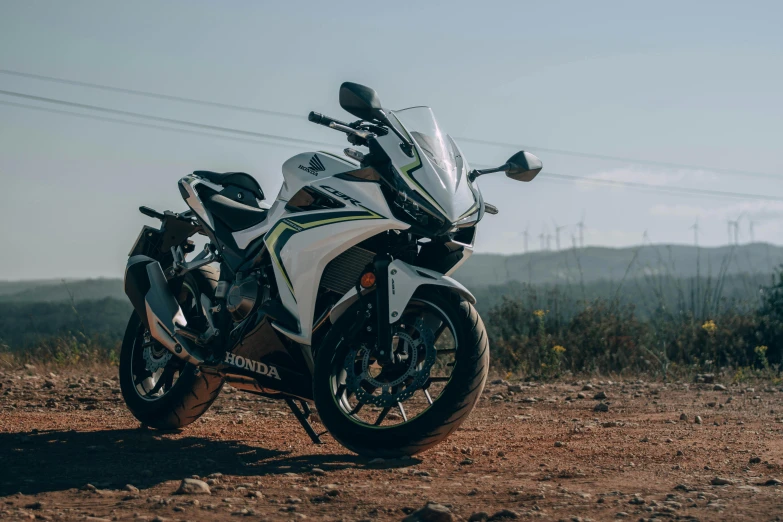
(153, 126)
(243, 108)
(622, 158)
(658, 188)
(548, 176)
(161, 119)
(152, 94)
(568, 178)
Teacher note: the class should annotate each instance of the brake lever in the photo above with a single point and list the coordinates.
(490, 209)
(363, 134)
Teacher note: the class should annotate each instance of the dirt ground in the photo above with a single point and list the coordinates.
(69, 450)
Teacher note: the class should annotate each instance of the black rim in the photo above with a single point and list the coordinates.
(382, 396)
(154, 370)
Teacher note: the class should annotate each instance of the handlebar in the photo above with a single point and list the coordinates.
(357, 136)
(320, 119)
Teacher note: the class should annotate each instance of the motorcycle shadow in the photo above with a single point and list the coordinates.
(59, 460)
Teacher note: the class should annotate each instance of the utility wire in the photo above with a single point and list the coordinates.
(548, 176)
(658, 188)
(154, 126)
(153, 95)
(161, 119)
(621, 158)
(243, 108)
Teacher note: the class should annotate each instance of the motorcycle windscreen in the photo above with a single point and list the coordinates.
(444, 171)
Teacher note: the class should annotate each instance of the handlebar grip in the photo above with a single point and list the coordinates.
(316, 117)
(320, 119)
(151, 213)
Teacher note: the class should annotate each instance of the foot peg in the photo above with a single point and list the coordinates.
(200, 338)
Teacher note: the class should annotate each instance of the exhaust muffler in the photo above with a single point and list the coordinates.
(148, 290)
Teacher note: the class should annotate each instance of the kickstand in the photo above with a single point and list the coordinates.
(302, 416)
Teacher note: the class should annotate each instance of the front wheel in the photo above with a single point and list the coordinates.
(413, 402)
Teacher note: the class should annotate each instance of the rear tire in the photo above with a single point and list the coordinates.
(193, 392)
(432, 426)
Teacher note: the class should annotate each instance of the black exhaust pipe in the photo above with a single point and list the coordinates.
(148, 290)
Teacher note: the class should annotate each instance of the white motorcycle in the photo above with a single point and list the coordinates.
(338, 293)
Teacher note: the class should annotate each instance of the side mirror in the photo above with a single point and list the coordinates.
(522, 166)
(360, 101)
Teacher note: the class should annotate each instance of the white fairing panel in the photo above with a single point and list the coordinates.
(404, 279)
(305, 168)
(301, 244)
(300, 171)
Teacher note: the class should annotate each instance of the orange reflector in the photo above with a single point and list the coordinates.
(368, 279)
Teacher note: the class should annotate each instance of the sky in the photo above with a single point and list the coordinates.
(696, 84)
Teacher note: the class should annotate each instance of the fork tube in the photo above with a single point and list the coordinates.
(383, 328)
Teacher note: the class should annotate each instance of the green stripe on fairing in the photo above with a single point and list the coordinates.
(279, 235)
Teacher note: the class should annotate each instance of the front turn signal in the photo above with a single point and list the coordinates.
(367, 280)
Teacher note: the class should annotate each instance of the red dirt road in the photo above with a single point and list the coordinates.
(529, 451)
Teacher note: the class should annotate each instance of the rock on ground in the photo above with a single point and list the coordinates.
(430, 513)
(191, 486)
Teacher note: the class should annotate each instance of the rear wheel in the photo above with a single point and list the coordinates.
(160, 390)
(441, 357)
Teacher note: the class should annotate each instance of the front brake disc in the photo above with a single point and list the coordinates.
(418, 376)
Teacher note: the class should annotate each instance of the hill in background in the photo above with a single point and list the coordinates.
(565, 267)
(52, 290)
(592, 264)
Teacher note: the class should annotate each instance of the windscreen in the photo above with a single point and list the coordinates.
(420, 122)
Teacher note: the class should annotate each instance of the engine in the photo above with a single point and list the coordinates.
(240, 296)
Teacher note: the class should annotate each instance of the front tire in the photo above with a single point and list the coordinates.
(179, 402)
(435, 423)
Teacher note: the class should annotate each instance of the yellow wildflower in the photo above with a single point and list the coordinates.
(539, 313)
(761, 351)
(558, 349)
(710, 326)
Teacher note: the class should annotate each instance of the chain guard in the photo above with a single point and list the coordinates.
(387, 398)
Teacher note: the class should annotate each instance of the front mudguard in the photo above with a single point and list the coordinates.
(404, 279)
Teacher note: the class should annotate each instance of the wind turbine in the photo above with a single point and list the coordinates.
(526, 235)
(695, 228)
(541, 237)
(733, 225)
(752, 236)
(581, 226)
(557, 233)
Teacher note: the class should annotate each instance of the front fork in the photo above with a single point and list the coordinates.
(383, 328)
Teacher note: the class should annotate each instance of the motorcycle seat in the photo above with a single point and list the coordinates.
(238, 179)
(236, 216)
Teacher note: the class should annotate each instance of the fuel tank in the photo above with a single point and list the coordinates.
(305, 168)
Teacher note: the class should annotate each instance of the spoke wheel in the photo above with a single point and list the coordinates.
(159, 389)
(154, 370)
(367, 420)
(388, 394)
